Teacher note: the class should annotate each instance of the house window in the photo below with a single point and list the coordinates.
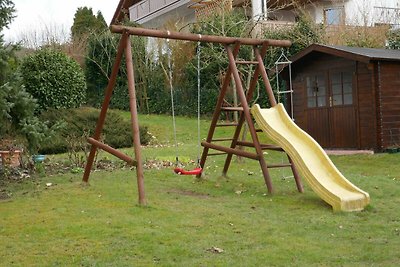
(342, 88)
(316, 91)
(334, 15)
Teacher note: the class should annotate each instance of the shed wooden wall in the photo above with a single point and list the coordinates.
(310, 121)
(377, 99)
(366, 105)
(390, 103)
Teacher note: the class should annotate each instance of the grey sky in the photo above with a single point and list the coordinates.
(35, 16)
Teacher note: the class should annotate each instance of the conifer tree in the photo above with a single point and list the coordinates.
(86, 23)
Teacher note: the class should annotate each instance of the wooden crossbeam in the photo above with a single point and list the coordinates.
(231, 150)
(113, 151)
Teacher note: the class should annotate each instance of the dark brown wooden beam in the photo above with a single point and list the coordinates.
(263, 146)
(134, 121)
(104, 107)
(246, 115)
(231, 150)
(217, 110)
(198, 37)
(264, 75)
(112, 151)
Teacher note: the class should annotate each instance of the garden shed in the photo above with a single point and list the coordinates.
(348, 97)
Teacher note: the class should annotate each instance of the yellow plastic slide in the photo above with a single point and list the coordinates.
(310, 159)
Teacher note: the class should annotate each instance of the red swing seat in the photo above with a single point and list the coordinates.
(195, 171)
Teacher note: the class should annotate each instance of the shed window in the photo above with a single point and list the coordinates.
(316, 91)
(342, 88)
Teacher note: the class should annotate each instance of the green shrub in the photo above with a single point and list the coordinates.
(99, 61)
(214, 61)
(394, 39)
(101, 53)
(19, 124)
(81, 122)
(54, 79)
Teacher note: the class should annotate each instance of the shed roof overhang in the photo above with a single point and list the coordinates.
(365, 55)
(122, 11)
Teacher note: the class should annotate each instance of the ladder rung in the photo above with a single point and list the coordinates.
(272, 147)
(221, 139)
(279, 165)
(285, 92)
(226, 124)
(263, 146)
(230, 150)
(246, 62)
(217, 154)
(232, 108)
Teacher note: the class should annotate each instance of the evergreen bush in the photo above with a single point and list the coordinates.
(54, 79)
(79, 122)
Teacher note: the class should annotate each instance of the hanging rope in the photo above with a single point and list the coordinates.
(198, 102)
(178, 169)
(171, 87)
(283, 60)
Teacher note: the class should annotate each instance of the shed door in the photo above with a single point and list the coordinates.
(343, 118)
(317, 108)
(331, 111)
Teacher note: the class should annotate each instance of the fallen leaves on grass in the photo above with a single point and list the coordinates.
(215, 250)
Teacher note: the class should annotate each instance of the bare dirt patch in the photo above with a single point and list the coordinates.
(4, 195)
(188, 193)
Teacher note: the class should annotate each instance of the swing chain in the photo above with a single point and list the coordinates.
(198, 102)
(169, 53)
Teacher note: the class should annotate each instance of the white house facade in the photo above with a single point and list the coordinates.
(155, 13)
(358, 12)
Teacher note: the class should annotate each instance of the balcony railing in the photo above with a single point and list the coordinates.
(147, 7)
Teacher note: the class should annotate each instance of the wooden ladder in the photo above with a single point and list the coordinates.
(244, 116)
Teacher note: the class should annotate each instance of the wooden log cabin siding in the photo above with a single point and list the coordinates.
(390, 103)
(366, 106)
(318, 122)
(372, 121)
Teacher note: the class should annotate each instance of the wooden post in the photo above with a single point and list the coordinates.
(248, 118)
(198, 37)
(135, 121)
(104, 107)
(264, 75)
(296, 175)
(253, 83)
(217, 111)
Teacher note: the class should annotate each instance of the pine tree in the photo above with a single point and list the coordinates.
(86, 23)
(7, 10)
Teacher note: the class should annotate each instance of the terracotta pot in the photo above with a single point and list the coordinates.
(11, 158)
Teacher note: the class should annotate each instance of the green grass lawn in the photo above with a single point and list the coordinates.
(68, 224)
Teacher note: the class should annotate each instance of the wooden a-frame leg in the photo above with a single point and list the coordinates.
(216, 114)
(273, 103)
(249, 96)
(104, 107)
(248, 118)
(296, 175)
(135, 122)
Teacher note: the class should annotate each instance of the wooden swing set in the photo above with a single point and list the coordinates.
(232, 46)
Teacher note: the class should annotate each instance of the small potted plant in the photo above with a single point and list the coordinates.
(10, 152)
